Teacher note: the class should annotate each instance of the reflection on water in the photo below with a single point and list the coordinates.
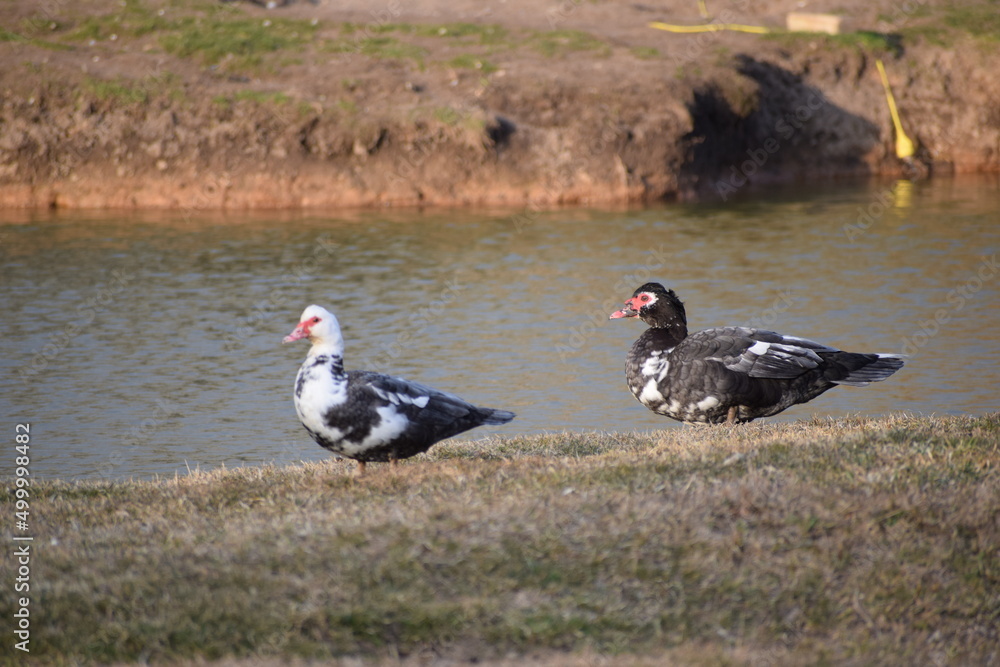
(142, 344)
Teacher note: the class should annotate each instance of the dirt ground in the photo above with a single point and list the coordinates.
(401, 102)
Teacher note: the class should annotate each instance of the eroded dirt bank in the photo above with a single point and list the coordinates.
(231, 105)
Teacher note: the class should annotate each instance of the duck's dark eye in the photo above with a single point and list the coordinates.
(644, 298)
(315, 320)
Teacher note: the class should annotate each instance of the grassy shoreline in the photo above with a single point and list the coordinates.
(860, 541)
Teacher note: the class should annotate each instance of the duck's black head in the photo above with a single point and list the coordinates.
(656, 306)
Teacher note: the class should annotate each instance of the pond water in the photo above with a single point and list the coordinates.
(142, 344)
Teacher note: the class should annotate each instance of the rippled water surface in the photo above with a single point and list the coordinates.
(138, 344)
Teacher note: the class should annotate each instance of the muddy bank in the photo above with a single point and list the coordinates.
(102, 108)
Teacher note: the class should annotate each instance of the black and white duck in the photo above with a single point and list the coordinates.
(369, 416)
(731, 374)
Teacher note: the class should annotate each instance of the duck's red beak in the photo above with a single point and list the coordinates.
(298, 333)
(627, 311)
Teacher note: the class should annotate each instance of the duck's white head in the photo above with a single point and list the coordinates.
(322, 329)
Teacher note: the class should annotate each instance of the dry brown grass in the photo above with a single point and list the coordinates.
(849, 542)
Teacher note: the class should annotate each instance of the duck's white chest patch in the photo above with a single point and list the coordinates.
(656, 365)
(651, 365)
(316, 392)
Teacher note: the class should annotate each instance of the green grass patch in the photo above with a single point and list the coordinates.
(347, 106)
(392, 49)
(866, 41)
(645, 52)
(402, 41)
(483, 33)
(246, 41)
(869, 540)
(132, 19)
(447, 115)
(899, 16)
(209, 32)
(129, 91)
(8, 36)
(37, 26)
(472, 61)
(118, 91)
(981, 20)
(259, 97)
(946, 25)
(554, 43)
(932, 34)
(381, 47)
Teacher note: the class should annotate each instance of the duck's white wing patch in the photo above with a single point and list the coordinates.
(401, 398)
(786, 359)
(805, 342)
(392, 397)
(392, 424)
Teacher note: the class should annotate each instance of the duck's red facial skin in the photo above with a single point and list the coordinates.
(303, 330)
(640, 300)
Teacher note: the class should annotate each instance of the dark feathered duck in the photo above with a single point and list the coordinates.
(369, 416)
(731, 374)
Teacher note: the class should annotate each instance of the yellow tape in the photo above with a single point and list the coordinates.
(904, 146)
(710, 27)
